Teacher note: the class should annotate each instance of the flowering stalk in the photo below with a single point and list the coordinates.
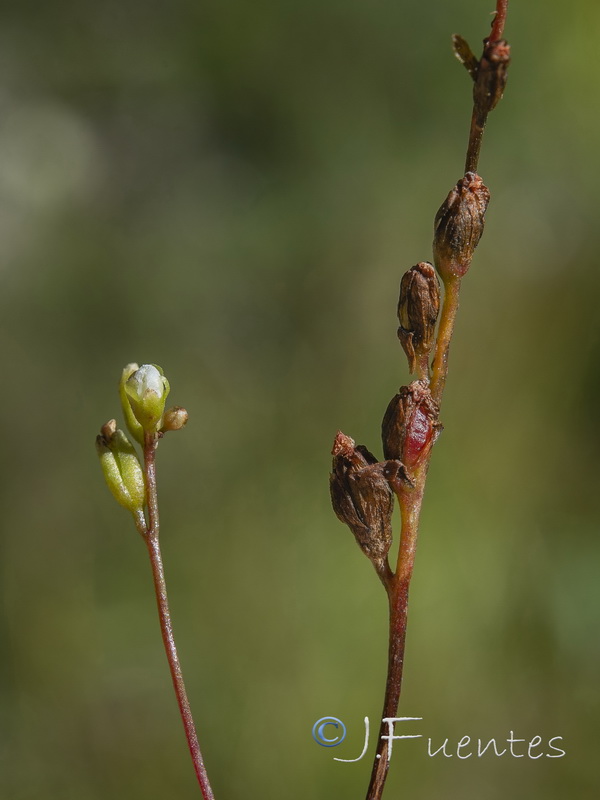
(143, 392)
(411, 423)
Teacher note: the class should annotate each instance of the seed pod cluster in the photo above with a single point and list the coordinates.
(459, 225)
(410, 427)
(418, 309)
(361, 497)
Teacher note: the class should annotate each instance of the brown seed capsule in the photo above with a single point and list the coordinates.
(361, 497)
(410, 425)
(458, 226)
(174, 419)
(418, 309)
(491, 76)
(108, 430)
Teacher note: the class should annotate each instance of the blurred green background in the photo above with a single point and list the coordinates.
(232, 190)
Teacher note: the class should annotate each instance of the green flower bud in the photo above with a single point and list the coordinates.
(133, 426)
(121, 467)
(146, 392)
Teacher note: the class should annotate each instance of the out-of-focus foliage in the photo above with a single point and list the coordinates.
(233, 190)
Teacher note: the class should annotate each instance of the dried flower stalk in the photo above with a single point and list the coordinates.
(362, 489)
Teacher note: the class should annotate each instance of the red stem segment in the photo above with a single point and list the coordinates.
(410, 506)
(398, 598)
(160, 588)
(499, 21)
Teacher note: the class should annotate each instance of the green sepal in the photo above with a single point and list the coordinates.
(122, 471)
(133, 426)
(146, 390)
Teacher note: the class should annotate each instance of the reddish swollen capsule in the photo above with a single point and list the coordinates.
(410, 425)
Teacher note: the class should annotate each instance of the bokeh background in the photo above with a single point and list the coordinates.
(232, 190)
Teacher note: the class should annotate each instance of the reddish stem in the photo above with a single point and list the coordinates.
(410, 501)
(499, 21)
(398, 599)
(160, 588)
(439, 370)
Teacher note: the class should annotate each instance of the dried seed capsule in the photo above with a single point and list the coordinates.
(458, 226)
(174, 419)
(418, 309)
(410, 426)
(491, 76)
(361, 497)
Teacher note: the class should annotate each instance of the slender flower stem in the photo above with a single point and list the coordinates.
(445, 330)
(478, 121)
(151, 537)
(480, 114)
(422, 367)
(499, 20)
(410, 506)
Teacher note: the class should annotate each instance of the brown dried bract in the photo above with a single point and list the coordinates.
(465, 55)
(418, 309)
(459, 225)
(492, 73)
(361, 497)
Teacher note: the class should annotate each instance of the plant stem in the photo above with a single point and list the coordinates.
(480, 115)
(410, 506)
(445, 330)
(478, 121)
(422, 368)
(499, 20)
(151, 537)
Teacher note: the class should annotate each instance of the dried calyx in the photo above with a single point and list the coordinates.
(418, 309)
(489, 73)
(362, 498)
(459, 225)
(490, 79)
